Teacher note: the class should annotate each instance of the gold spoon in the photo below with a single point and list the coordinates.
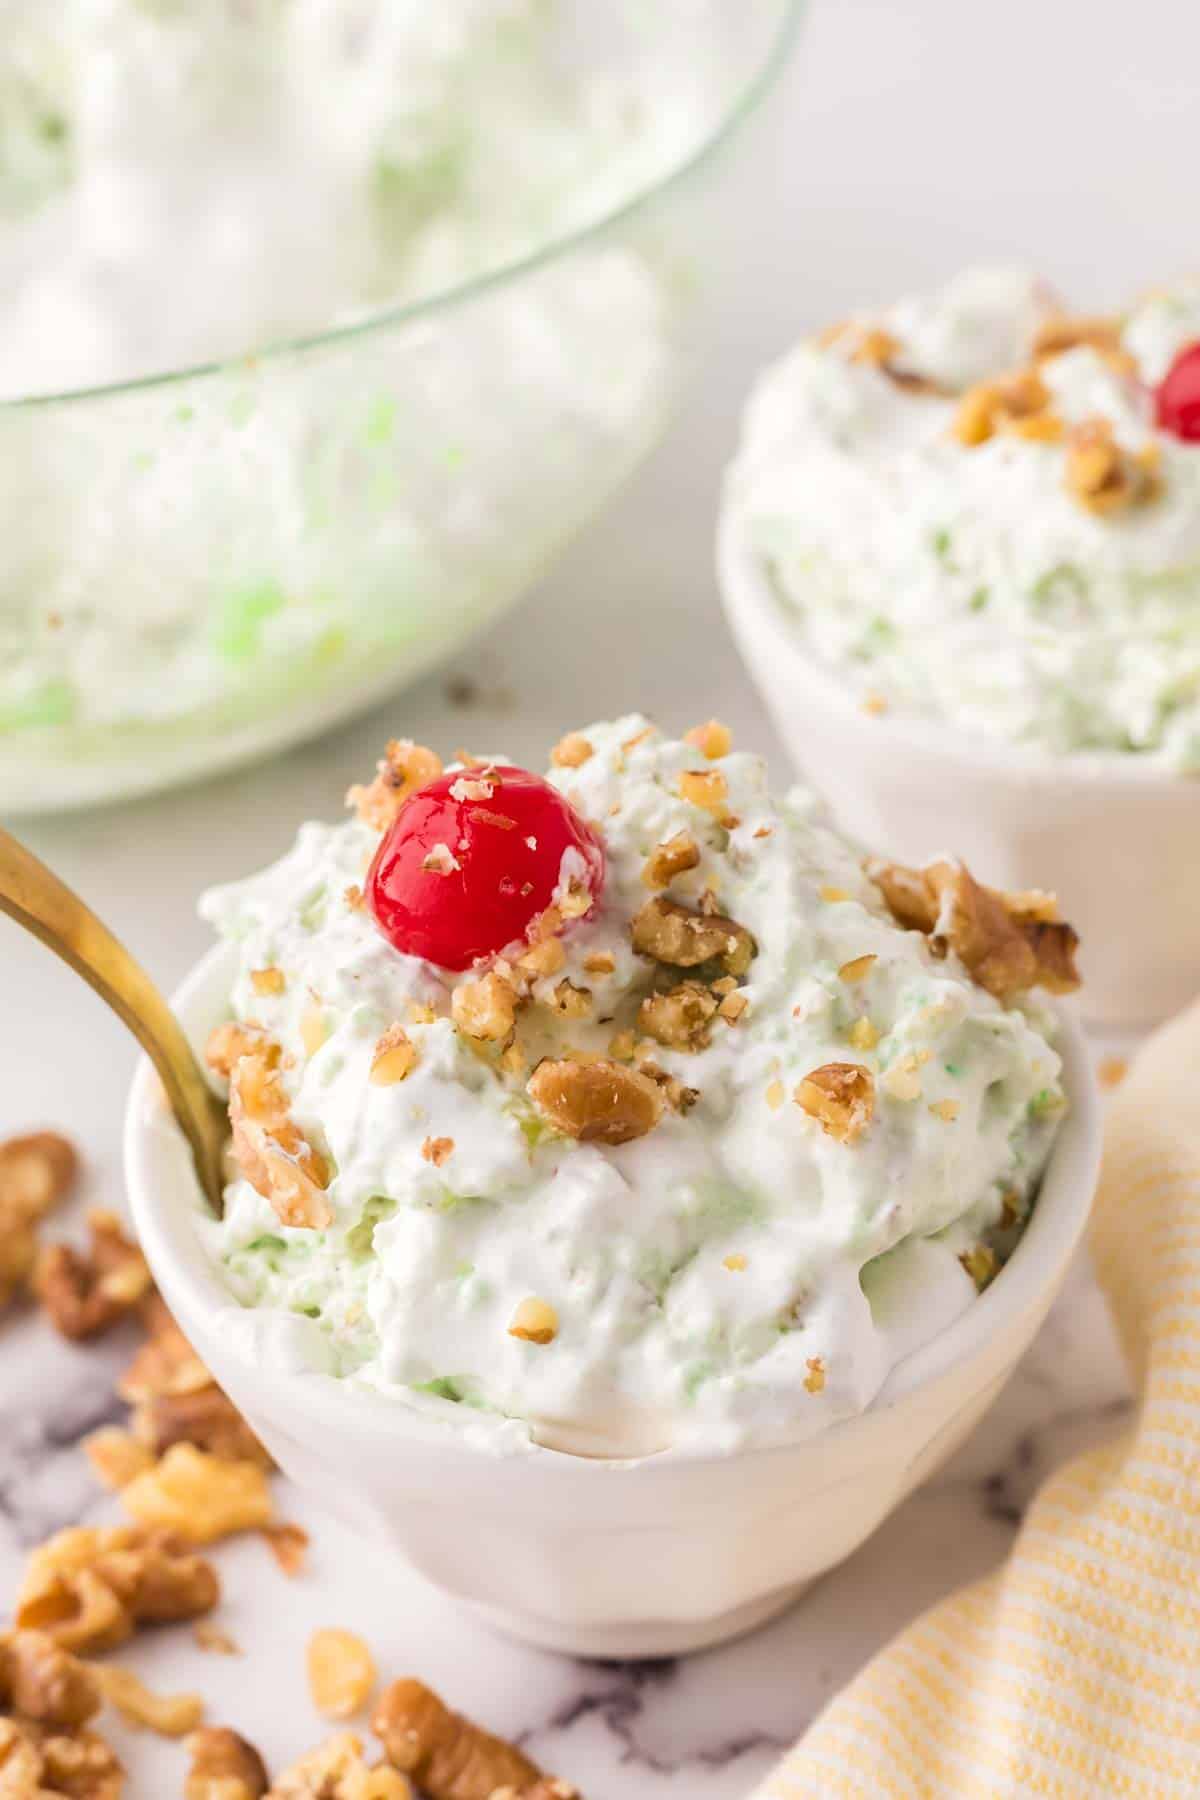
(35, 898)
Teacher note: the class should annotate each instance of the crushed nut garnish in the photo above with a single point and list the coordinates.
(406, 767)
(599, 962)
(1000, 405)
(441, 860)
(858, 968)
(485, 1010)
(1064, 332)
(877, 349)
(571, 1002)
(681, 1018)
(201, 1497)
(224, 1767)
(394, 1058)
(354, 897)
(213, 1640)
(268, 981)
(841, 1097)
(707, 789)
(776, 1094)
(542, 959)
(621, 1046)
(341, 1672)
(571, 752)
(1008, 943)
(85, 1295)
(90, 1588)
(596, 1102)
(338, 1770)
(426, 1740)
(270, 1149)
(733, 1007)
(671, 934)
(534, 1321)
(437, 1150)
(874, 704)
(945, 1109)
(903, 1080)
(1105, 477)
(170, 1715)
(735, 1263)
(288, 1544)
(228, 1043)
(814, 1381)
(981, 1263)
(313, 1030)
(831, 895)
(674, 857)
(712, 739)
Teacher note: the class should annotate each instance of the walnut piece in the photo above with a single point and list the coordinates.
(224, 1767)
(1008, 943)
(994, 406)
(272, 1152)
(337, 1770)
(201, 1497)
(672, 934)
(449, 1757)
(572, 751)
(674, 857)
(40, 1763)
(394, 1058)
(712, 738)
(1064, 331)
(207, 1419)
(42, 1681)
(596, 1102)
(229, 1042)
(36, 1172)
(341, 1672)
(116, 1456)
(1103, 476)
(877, 349)
(486, 1009)
(680, 1019)
(90, 1588)
(841, 1097)
(170, 1715)
(406, 767)
(534, 1321)
(86, 1295)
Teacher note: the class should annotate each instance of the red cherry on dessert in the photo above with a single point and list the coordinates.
(473, 859)
(1177, 399)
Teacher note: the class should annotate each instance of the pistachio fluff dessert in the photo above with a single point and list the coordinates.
(623, 1110)
(979, 508)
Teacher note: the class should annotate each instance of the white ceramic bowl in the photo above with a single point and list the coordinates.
(1117, 839)
(637, 1558)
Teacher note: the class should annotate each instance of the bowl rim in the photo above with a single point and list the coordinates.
(751, 607)
(1030, 1278)
(737, 111)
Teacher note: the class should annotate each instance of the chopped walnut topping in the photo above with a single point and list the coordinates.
(270, 1149)
(571, 1002)
(544, 958)
(288, 1544)
(486, 1009)
(621, 1046)
(841, 1097)
(712, 738)
(776, 1094)
(671, 934)
(45, 1683)
(201, 1497)
(116, 1456)
(863, 1034)
(438, 1747)
(1007, 944)
(405, 769)
(354, 897)
(479, 788)
(437, 1150)
(877, 349)
(85, 1295)
(228, 1043)
(341, 1672)
(89, 1589)
(831, 895)
(170, 1715)
(394, 1058)
(40, 1763)
(571, 752)
(337, 1770)
(534, 1321)
(981, 1263)
(224, 1767)
(858, 968)
(441, 860)
(706, 788)
(674, 857)
(735, 1263)
(1064, 332)
(679, 1098)
(814, 1381)
(993, 406)
(1105, 477)
(165, 1364)
(680, 1019)
(599, 962)
(268, 981)
(947, 1110)
(903, 1080)
(596, 1102)
(575, 902)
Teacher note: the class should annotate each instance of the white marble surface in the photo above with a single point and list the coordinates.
(908, 139)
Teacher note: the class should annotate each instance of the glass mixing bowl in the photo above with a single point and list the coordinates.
(205, 565)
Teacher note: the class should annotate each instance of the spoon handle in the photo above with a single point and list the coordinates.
(39, 901)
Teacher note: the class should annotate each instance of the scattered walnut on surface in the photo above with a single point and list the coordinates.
(814, 1381)
(672, 934)
(270, 1149)
(572, 751)
(405, 769)
(878, 349)
(674, 857)
(841, 1097)
(36, 1172)
(341, 1672)
(1103, 475)
(170, 1715)
(84, 1295)
(1008, 943)
(338, 1770)
(1065, 331)
(288, 1544)
(596, 1102)
(41, 1763)
(982, 1265)
(224, 1767)
(449, 1757)
(680, 1019)
(42, 1681)
(89, 1588)
(116, 1456)
(208, 1419)
(198, 1496)
(485, 1009)
(570, 1001)
(1000, 405)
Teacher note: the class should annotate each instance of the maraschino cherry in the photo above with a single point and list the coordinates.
(1177, 399)
(472, 860)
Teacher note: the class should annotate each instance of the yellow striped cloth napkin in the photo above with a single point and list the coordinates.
(1073, 1672)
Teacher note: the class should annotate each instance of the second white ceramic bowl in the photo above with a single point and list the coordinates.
(1115, 838)
(637, 1558)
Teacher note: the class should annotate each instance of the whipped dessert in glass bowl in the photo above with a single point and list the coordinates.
(960, 549)
(614, 1153)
